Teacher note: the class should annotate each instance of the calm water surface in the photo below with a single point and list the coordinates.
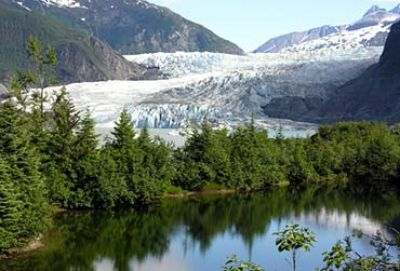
(197, 234)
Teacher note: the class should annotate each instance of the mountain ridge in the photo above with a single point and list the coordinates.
(131, 27)
(374, 16)
(81, 57)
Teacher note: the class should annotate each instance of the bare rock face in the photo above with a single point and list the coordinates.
(375, 95)
(102, 63)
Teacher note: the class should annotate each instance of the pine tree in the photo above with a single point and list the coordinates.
(10, 209)
(43, 62)
(18, 152)
(154, 171)
(85, 159)
(62, 148)
(126, 153)
(110, 188)
(124, 135)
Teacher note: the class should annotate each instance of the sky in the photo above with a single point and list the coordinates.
(250, 23)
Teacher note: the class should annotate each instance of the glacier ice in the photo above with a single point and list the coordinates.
(228, 89)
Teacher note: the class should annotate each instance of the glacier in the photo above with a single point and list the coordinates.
(228, 90)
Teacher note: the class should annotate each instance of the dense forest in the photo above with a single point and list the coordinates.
(50, 157)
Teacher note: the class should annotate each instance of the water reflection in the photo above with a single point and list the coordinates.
(197, 234)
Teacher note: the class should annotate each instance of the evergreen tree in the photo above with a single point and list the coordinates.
(124, 135)
(126, 153)
(250, 157)
(10, 210)
(300, 170)
(85, 159)
(17, 150)
(110, 188)
(62, 149)
(43, 62)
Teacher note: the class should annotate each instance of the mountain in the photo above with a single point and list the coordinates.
(274, 45)
(374, 95)
(373, 17)
(396, 9)
(131, 26)
(374, 9)
(81, 56)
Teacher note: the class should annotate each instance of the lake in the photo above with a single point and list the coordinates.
(198, 233)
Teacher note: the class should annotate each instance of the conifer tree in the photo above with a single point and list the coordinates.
(126, 153)
(110, 188)
(10, 209)
(43, 62)
(85, 159)
(153, 171)
(19, 153)
(62, 148)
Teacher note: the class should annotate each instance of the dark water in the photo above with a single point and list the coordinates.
(197, 234)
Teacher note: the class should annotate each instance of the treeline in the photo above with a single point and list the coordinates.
(50, 157)
(247, 159)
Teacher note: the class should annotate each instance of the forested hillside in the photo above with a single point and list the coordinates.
(131, 27)
(80, 56)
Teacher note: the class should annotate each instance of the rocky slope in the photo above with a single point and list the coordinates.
(275, 45)
(375, 95)
(81, 57)
(373, 17)
(131, 27)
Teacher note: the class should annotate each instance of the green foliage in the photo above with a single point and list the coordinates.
(293, 238)
(338, 255)
(342, 256)
(16, 26)
(234, 264)
(62, 148)
(22, 183)
(10, 209)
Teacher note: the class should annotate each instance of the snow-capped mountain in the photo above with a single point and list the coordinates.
(374, 9)
(373, 17)
(396, 9)
(274, 45)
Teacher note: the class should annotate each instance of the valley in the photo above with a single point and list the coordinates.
(134, 138)
(229, 89)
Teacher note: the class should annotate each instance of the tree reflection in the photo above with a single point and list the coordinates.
(80, 239)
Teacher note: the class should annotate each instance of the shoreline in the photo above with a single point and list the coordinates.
(200, 193)
(33, 245)
(36, 243)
